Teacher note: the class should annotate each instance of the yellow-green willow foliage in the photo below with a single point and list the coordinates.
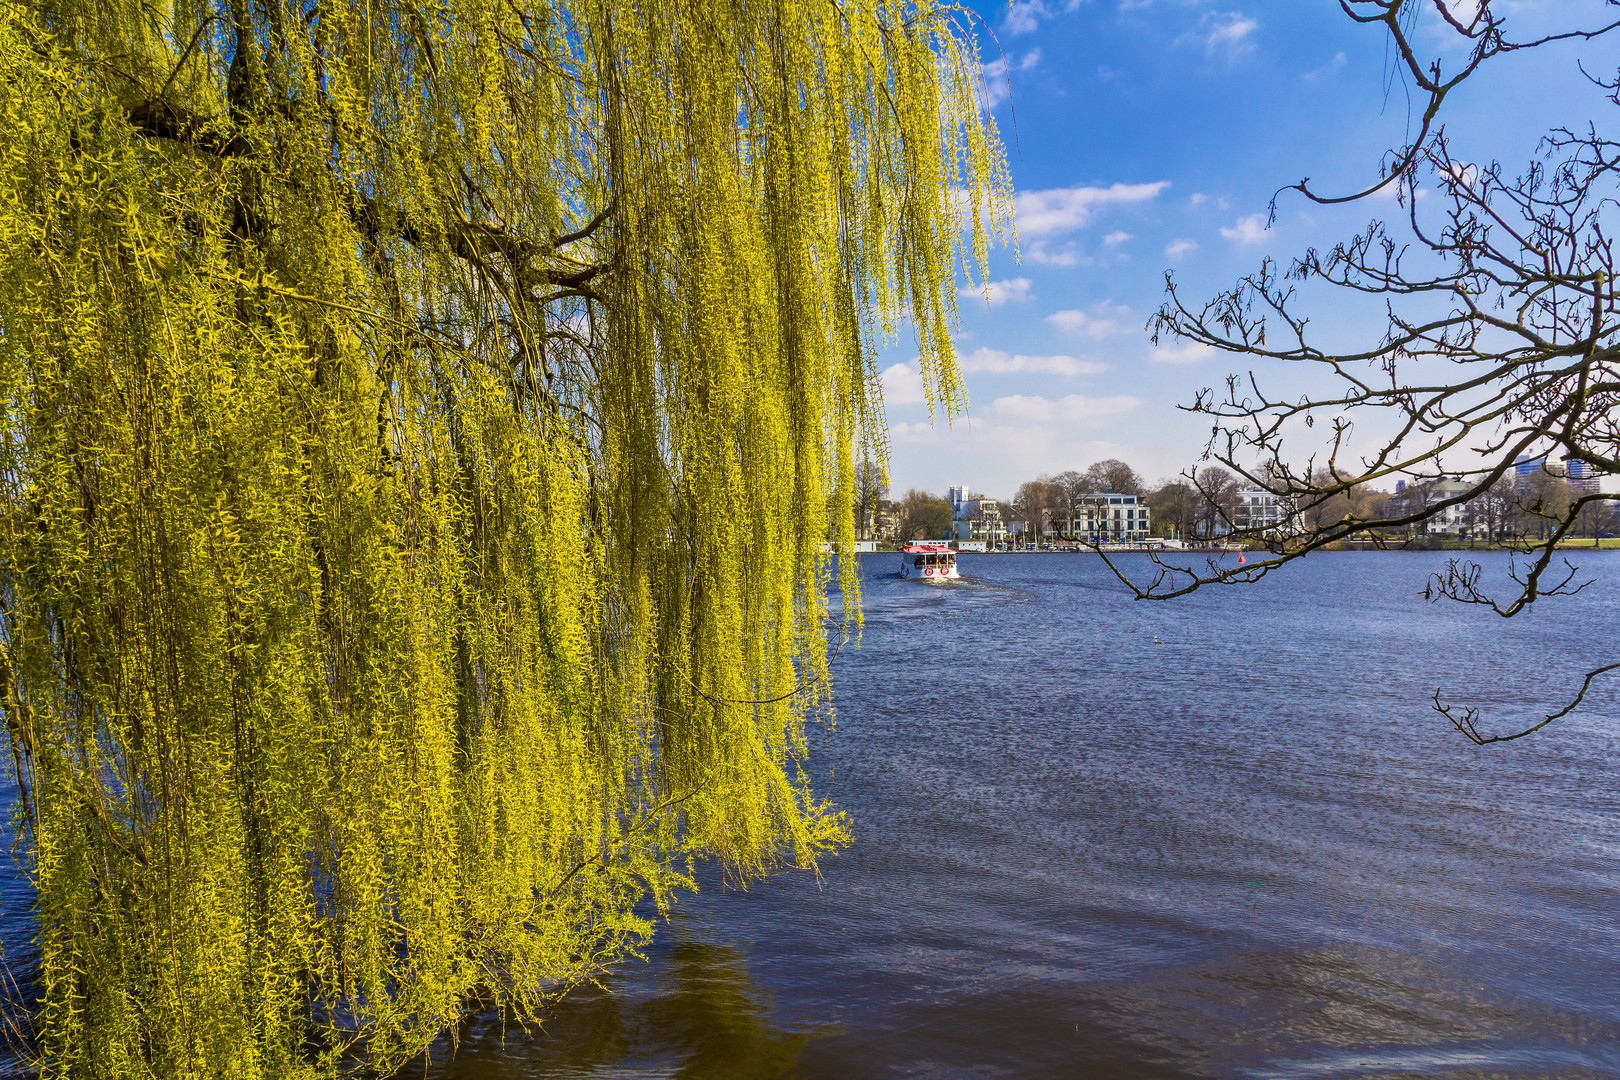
(422, 425)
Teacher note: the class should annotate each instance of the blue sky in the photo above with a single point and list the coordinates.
(1149, 135)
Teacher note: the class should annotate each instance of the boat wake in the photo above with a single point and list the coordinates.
(889, 596)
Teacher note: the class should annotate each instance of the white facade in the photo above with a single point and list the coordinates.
(1262, 511)
(1107, 518)
(984, 524)
(976, 517)
(1458, 520)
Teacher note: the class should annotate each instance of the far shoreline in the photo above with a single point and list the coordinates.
(1582, 544)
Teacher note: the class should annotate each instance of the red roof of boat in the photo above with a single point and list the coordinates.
(929, 549)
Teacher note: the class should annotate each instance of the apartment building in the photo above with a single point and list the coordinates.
(1457, 520)
(1260, 511)
(1109, 518)
(977, 518)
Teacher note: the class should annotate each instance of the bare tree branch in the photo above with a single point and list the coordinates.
(1499, 345)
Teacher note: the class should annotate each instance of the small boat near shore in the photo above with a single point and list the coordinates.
(930, 562)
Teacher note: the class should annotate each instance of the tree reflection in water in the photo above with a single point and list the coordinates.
(694, 1011)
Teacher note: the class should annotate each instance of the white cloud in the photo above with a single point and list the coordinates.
(996, 362)
(1189, 353)
(999, 446)
(1179, 247)
(996, 293)
(995, 85)
(1117, 237)
(902, 384)
(1103, 323)
(1389, 192)
(1464, 11)
(1225, 32)
(1064, 256)
(1394, 190)
(1464, 176)
(1468, 14)
(1074, 408)
(1248, 230)
(1024, 16)
(1058, 210)
(1328, 68)
(1198, 198)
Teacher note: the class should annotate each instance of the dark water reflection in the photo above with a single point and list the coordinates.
(1250, 851)
(697, 1014)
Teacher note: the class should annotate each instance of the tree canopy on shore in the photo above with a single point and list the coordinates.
(422, 426)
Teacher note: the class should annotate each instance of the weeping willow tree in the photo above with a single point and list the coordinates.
(422, 428)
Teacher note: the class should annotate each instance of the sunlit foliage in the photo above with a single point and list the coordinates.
(422, 427)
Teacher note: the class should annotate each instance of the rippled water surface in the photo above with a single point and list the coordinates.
(1250, 850)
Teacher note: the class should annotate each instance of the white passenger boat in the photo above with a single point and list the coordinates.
(930, 562)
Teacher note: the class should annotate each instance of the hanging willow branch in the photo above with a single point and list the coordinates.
(422, 428)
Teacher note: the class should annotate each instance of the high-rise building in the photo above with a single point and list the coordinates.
(958, 497)
(1525, 466)
(1582, 478)
(1579, 474)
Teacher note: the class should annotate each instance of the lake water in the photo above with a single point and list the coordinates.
(1251, 850)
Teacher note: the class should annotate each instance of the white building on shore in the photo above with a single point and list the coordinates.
(1110, 518)
(976, 517)
(1261, 511)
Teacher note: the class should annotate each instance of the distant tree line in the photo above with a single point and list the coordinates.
(1204, 502)
(1514, 510)
(1198, 504)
